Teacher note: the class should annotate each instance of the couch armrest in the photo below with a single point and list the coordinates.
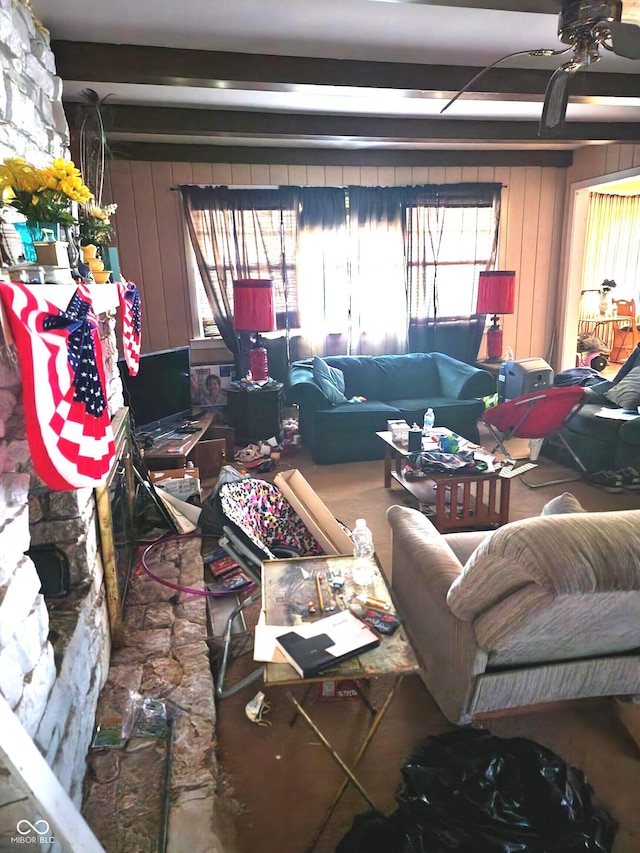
(303, 389)
(423, 569)
(462, 381)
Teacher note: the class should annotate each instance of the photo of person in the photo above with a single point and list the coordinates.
(208, 384)
(213, 394)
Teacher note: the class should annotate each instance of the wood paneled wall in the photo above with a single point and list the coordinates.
(594, 161)
(592, 165)
(150, 235)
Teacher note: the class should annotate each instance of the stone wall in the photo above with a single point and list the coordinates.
(54, 655)
(32, 120)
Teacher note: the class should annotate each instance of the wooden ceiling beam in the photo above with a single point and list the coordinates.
(148, 65)
(125, 118)
(544, 7)
(184, 153)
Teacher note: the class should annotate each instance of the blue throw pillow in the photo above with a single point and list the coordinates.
(330, 380)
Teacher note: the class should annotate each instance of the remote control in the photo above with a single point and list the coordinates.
(508, 473)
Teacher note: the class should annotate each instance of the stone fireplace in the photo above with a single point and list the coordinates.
(54, 654)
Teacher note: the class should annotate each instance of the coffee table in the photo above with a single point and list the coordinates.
(287, 588)
(461, 501)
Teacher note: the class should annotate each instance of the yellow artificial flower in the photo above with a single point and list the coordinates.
(43, 195)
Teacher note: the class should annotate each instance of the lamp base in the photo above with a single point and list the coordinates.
(258, 361)
(494, 344)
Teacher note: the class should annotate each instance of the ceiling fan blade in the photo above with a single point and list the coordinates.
(556, 99)
(542, 51)
(625, 39)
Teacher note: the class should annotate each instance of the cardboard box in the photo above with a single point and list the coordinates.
(182, 483)
(52, 253)
(314, 513)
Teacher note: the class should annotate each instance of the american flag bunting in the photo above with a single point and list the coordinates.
(63, 386)
(131, 324)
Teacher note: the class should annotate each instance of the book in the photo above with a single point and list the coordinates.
(220, 563)
(227, 575)
(232, 581)
(314, 647)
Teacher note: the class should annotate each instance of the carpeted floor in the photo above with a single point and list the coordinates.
(281, 778)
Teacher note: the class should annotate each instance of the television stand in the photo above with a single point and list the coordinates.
(172, 449)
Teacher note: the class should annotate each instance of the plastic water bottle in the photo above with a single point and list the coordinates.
(429, 422)
(363, 561)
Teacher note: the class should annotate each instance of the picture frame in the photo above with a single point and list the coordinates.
(208, 388)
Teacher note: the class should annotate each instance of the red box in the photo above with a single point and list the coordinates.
(330, 691)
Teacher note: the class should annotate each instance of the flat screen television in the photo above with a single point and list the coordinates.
(161, 390)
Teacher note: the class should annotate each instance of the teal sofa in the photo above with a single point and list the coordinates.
(394, 387)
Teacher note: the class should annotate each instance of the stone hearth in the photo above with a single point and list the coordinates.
(165, 655)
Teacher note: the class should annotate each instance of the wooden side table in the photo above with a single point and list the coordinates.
(493, 367)
(255, 414)
(172, 451)
(284, 588)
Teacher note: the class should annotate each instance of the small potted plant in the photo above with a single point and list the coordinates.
(94, 224)
(95, 229)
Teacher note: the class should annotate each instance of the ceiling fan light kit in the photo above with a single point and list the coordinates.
(585, 25)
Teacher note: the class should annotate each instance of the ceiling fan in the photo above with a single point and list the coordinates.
(586, 26)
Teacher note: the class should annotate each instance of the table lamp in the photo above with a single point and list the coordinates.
(254, 312)
(496, 295)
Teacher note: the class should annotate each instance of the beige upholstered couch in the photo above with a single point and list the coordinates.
(537, 611)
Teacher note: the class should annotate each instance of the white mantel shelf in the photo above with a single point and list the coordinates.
(104, 297)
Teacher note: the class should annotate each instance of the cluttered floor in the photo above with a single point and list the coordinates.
(235, 785)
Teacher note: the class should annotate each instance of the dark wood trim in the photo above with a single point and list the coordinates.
(126, 118)
(147, 65)
(181, 153)
(544, 7)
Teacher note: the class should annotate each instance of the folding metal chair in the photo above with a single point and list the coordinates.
(540, 414)
(262, 525)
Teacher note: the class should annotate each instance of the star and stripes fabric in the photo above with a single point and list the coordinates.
(63, 386)
(131, 324)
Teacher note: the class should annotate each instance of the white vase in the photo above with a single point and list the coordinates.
(603, 305)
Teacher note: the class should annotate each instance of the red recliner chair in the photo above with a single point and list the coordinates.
(539, 414)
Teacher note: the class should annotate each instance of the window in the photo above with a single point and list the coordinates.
(447, 248)
(355, 260)
(253, 242)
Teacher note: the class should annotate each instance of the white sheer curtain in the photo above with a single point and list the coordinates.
(612, 248)
(379, 310)
(323, 280)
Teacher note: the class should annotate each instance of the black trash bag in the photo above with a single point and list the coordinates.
(373, 833)
(471, 792)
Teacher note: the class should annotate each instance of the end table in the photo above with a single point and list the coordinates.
(493, 367)
(254, 413)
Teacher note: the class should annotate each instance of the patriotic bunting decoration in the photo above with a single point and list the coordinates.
(63, 387)
(131, 325)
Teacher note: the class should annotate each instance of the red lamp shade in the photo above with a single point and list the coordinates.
(496, 292)
(254, 311)
(253, 308)
(496, 295)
